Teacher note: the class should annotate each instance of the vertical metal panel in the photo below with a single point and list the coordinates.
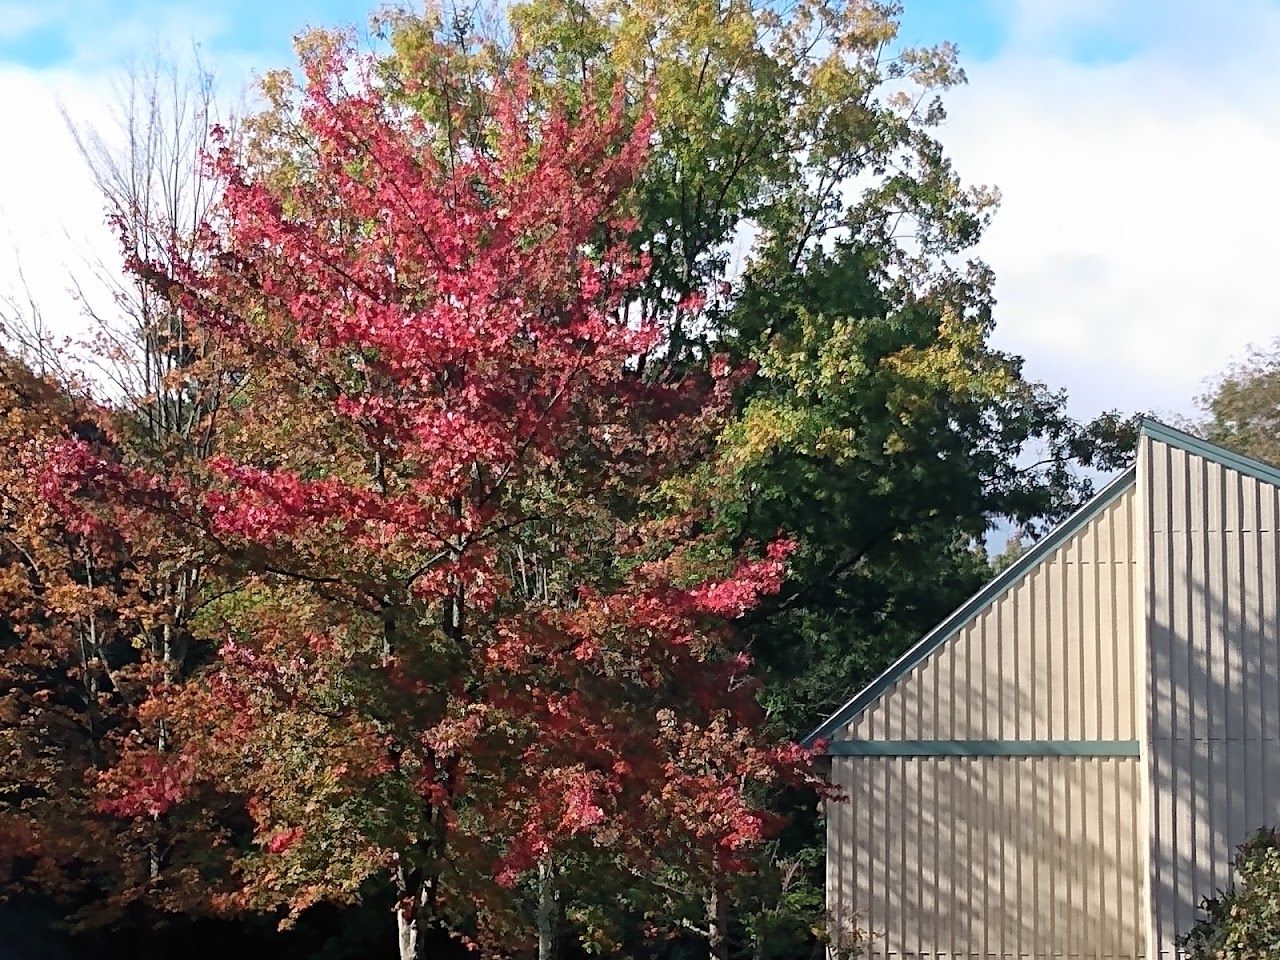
(1041, 661)
(1020, 856)
(966, 857)
(1213, 657)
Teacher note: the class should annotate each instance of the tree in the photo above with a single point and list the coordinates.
(1243, 923)
(461, 630)
(804, 221)
(888, 433)
(1243, 407)
(85, 610)
(805, 230)
(100, 617)
(763, 116)
(803, 218)
(149, 174)
(57, 602)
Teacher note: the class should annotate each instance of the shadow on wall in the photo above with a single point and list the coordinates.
(1214, 640)
(1034, 856)
(1022, 856)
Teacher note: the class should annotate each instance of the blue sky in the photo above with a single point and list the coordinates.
(1134, 143)
(54, 33)
(985, 29)
(45, 34)
(975, 26)
(50, 33)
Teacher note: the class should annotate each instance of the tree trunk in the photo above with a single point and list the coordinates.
(547, 910)
(718, 923)
(411, 914)
(409, 933)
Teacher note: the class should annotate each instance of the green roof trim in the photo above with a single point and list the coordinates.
(1210, 451)
(974, 605)
(984, 748)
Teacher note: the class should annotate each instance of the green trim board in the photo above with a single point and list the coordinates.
(971, 607)
(1210, 451)
(984, 748)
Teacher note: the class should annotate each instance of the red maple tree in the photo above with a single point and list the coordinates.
(464, 621)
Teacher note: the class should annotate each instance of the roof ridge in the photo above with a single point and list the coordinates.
(1250, 466)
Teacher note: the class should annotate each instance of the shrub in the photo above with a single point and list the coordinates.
(1243, 923)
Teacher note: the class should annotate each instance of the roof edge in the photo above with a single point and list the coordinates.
(1174, 437)
(965, 612)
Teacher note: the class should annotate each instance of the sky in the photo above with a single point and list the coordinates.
(1135, 144)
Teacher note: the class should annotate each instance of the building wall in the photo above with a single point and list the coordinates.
(1034, 857)
(1055, 657)
(990, 857)
(1213, 600)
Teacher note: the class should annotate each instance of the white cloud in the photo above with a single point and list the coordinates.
(51, 218)
(1134, 251)
(1136, 247)
(1034, 20)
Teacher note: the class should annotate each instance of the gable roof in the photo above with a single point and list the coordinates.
(1210, 451)
(949, 627)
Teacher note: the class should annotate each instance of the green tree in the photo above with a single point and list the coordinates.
(1242, 408)
(884, 432)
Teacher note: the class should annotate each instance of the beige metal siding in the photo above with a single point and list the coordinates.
(1018, 857)
(990, 857)
(1213, 600)
(1054, 657)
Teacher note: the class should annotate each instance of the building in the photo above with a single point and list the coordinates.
(1063, 768)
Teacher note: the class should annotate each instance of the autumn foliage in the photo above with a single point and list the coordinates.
(92, 648)
(457, 622)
